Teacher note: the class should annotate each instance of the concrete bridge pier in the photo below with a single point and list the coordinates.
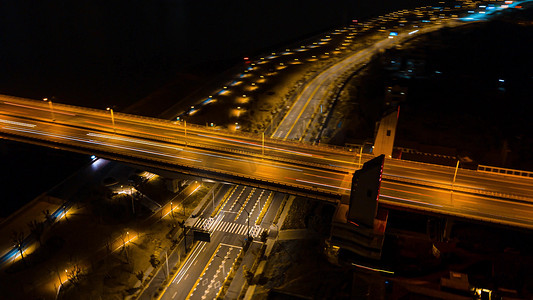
(448, 224)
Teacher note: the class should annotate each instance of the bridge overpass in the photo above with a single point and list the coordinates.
(318, 172)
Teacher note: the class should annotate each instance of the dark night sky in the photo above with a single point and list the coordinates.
(97, 50)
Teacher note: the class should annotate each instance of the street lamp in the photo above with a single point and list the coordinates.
(263, 148)
(453, 182)
(213, 193)
(171, 213)
(51, 108)
(223, 267)
(360, 155)
(112, 119)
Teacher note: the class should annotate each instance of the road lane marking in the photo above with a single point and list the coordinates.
(188, 261)
(202, 273)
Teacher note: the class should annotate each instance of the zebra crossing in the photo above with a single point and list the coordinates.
(211, 224)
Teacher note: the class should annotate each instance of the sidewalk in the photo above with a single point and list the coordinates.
(297, 234)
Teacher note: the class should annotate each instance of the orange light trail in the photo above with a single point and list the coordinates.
(37, 108)
(131, 130)
(309, 174)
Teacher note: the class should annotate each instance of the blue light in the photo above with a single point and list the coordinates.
(501, 80)
(93, 157)
(393, 33)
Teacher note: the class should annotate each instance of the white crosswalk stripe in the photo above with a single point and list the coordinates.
(230, 227)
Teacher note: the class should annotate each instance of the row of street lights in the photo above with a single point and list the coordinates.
(54, 119)
(115, 130)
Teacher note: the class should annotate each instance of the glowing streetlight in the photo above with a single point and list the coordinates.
(51, 108)
(112, 119)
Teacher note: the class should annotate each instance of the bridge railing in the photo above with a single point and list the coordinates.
(125, 116)
(505, 171)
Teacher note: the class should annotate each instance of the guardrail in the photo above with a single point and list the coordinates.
(458, 188)
(167, 123)
(504, 171)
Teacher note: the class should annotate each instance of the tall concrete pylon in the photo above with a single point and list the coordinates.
(384, 141)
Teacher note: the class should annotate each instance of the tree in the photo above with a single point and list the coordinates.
(18, 242)
(181, 224)
(140, 276)
(264, 236)
(37, 229)
(74, 275)
(247, 274)
(154, 261)
(48, 216)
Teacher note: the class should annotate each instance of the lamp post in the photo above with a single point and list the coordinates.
(213, 193)
(51, 107)
(263, 148)
(455, 174)
(360, 155)
(453, 181)
(171, 213)
(132, 205)
(112, 118)
(223, 267)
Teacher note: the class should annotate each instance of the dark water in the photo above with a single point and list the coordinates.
(113, 53)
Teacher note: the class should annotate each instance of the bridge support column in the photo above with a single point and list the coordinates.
(448, 224)
(174, 185)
